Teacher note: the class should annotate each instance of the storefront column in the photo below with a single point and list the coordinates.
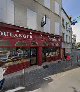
(62, 53)
(40, 56)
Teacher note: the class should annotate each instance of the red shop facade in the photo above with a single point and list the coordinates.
(21, 48)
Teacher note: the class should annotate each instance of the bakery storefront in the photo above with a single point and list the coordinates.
(21, 47)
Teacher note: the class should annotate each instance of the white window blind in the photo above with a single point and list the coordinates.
(3, 10)
(31, 19)
(10, 11)
(7, 11)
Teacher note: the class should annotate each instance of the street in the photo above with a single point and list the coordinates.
(68, 81)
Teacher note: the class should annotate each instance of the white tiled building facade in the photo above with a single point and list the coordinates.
(29, 13)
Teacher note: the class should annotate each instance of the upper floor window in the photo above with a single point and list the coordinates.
(47, 3)
(66, 38)
(31, 19)
(66, 25)
(69, 39)
(63, 23)
(57, 8)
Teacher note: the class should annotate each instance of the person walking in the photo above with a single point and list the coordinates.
(68, 60)
(2, 71)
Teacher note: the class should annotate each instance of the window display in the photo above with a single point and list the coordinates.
(13, 56)
(50, 52)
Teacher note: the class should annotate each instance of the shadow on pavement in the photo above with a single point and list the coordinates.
(74, 89)
(42, 83)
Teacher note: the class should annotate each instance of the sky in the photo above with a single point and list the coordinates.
(72, 7)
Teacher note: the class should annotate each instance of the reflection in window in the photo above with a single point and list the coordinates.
(45, 44)
(5, 43)
(13, 54)
(51, 52)
(33, 56)
(34, 43)
(21, 44)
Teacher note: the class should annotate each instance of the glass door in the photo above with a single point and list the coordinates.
(44, 55)
(33, 56)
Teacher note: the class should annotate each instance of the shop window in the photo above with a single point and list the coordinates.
(5, 43)
(50, 52)
(45, 44)
(4, 53)
(57, 52)
(34, 43)
(14, 55)
(21, 44)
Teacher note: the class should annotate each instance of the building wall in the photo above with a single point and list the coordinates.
(67, 38)
(73, 41)
(39, 7)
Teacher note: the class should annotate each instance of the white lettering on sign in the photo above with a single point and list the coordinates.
(53, 39)
(15, 35)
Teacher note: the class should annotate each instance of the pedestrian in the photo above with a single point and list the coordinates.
(2, 71)
(68, 58)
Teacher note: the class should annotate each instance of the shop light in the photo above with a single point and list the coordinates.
(17, 30)
(41, 35)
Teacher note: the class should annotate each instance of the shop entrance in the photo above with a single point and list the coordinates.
(44, 55)
(33, 56)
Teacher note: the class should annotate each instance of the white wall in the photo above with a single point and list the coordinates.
(7, 11)
(57, 28)
(31, 19)
(10, 12)
(47, 26)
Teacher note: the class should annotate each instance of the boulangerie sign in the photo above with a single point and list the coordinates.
(14, 34)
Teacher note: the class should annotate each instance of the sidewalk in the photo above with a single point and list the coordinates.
(68, 81)
(32, 78)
